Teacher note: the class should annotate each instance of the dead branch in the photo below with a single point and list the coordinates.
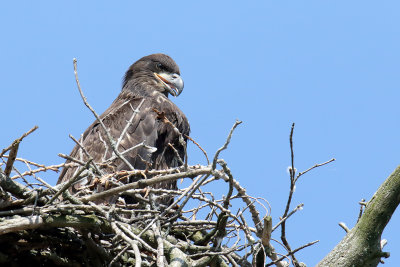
(17, 141)
(110, 138)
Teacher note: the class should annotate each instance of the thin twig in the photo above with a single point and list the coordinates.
(110, 138)
(228, 140)
(87, 154)
(197, 144)
(71, 159)
(292, 172)
(18, 140)
(135, 111)
(292, 252)
(313, 167)
(69, 183)
(54, 168)
(299, 207)
(362, 206)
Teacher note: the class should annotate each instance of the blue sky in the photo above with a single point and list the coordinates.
(332, 67)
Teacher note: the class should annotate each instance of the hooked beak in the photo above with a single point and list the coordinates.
(172, 82)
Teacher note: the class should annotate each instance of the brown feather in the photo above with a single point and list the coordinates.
(140, 87)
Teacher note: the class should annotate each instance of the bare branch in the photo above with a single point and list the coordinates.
(87, 154)
(299, 207)
(67, 185)
(110, 138)
(129, 123)
(17, 141)
(313, 167)
(228, 140)
(198, 145)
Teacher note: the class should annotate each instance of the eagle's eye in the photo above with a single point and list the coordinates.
(160, 66)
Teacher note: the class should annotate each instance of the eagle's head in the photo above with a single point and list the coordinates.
(156, 72)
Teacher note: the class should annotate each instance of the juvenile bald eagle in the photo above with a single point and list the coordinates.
(143, 104)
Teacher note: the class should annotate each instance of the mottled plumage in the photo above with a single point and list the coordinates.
(146, 87)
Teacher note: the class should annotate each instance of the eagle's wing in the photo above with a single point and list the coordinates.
(145, 124)
(142, 127)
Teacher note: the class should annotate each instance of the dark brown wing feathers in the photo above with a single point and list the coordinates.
(146, 127)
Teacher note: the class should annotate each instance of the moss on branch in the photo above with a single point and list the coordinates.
(362, 244)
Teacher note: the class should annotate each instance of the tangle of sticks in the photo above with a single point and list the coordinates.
(45, 225)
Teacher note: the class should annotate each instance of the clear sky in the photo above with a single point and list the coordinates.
(332, 67)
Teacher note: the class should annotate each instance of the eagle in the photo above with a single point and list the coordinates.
(148, 129)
